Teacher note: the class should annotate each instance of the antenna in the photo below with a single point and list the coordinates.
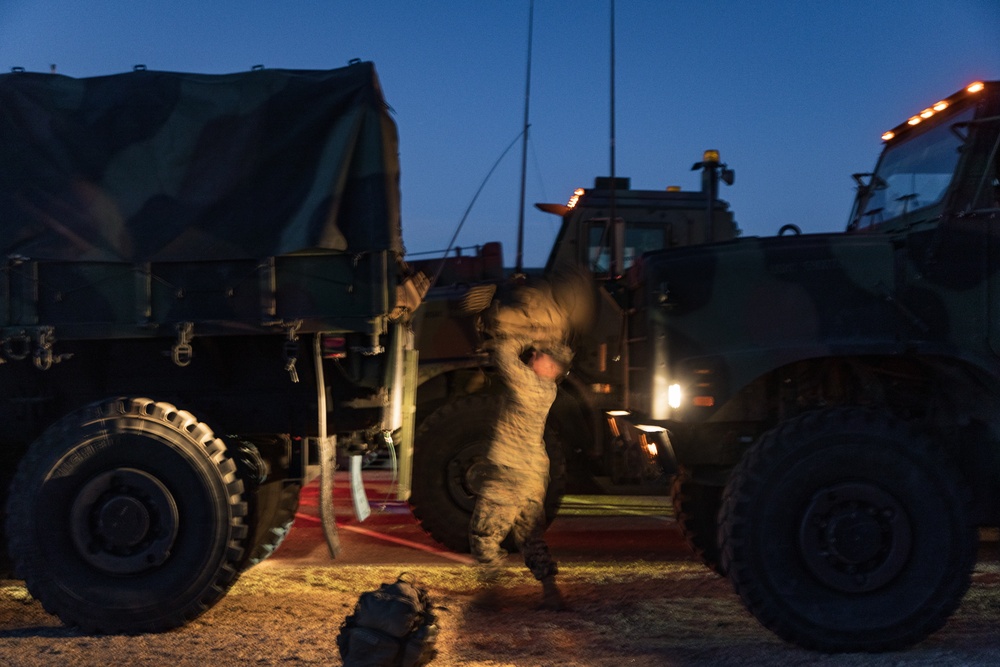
(519, 262)
(613, 215)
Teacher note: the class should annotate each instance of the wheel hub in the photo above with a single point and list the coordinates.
(466, 473)
(855, 537)
(124, 521)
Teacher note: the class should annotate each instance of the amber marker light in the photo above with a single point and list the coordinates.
(612, 417)
(645, 433)
(579, 192)
(938, 107)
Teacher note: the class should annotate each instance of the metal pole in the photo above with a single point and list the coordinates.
(613, 214)
(519, 264)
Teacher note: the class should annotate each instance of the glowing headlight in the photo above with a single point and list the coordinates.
(674, 396)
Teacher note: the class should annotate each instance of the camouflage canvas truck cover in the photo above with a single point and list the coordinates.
(199, 290)
(834, 399)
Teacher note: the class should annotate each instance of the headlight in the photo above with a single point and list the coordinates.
(674, 396)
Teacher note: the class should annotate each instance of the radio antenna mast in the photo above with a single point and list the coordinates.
(519, 263)
(613, 214)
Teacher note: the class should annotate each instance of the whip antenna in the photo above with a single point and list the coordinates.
(613, 215)
(519, 263)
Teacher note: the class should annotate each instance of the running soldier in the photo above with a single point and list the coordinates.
(512, 497)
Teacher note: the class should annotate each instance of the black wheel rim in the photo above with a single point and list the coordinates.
(124, 521)
(855, 537)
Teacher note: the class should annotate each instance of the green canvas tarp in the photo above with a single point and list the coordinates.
(151, 166)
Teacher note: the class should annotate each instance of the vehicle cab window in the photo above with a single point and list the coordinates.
(639, 238)
(914, 174)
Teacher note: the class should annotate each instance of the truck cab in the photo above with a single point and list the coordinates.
(603, 231)
(463, 285)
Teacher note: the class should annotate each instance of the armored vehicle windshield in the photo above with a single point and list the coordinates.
(913, 176)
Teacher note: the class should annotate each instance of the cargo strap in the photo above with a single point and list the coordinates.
(327, 515)
(327, 457)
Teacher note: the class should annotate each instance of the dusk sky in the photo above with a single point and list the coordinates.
(793, 94)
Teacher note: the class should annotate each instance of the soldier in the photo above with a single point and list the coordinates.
(511, 499)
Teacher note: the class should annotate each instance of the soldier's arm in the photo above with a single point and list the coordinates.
(507, 359)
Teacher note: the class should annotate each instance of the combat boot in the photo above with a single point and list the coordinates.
(552, 598)
(488, 597)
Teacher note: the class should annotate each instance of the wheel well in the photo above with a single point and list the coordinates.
(935, 389)
(953, 401)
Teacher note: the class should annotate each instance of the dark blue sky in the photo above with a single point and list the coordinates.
(794, 94)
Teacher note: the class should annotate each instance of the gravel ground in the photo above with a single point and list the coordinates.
(622, 613)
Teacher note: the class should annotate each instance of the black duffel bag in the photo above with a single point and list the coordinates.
(392, 626)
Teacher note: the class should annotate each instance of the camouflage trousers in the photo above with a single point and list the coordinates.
(511, 503)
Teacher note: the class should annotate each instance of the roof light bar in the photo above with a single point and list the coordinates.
(930, 111)
(579, 192)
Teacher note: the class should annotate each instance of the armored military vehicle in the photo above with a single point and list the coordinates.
(603, 231)
(202, 289)
(833, 400)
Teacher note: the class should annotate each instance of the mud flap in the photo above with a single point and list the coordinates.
(362, 509)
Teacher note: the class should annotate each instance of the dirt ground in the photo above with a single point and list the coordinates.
(623, 613)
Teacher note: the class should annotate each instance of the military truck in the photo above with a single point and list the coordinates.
(833, 400)
(202, 293)
(603, 231)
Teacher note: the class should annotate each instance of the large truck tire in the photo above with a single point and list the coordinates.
(449, 462)
(262, 463)
(848, 530)
(127, 517)
(273, 507)
(696, 510)
(6, 564)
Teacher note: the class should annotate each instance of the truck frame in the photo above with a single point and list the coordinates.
(202, 295)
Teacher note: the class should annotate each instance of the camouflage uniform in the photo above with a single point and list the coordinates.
(511, 500)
